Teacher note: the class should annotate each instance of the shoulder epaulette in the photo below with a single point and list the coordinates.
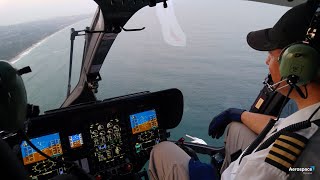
(285, 150)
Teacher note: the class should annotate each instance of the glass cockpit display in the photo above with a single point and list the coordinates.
(143, 121)
(106, 139)
(49, 144)
(75, 140)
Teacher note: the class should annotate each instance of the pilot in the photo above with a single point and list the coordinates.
(281, 145)
(13, 111)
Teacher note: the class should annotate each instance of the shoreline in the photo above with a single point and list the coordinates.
(35, 45)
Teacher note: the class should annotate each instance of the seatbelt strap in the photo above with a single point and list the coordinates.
(316, 122)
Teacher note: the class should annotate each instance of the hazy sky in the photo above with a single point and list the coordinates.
(18, 11)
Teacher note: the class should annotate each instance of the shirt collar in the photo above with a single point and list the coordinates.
(299, 116)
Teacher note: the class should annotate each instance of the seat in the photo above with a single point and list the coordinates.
(11, 166)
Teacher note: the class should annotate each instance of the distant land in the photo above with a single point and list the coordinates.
(14, 39)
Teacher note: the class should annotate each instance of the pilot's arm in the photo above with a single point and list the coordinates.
(254, 121)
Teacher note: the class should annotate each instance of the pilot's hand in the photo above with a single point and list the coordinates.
(220, 122)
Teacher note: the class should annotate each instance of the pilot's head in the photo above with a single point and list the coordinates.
(288, 56)
(13, 98)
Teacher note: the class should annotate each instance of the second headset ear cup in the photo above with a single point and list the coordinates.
(13, 98)
(301, 60)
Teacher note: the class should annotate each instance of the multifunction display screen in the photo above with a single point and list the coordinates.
(143, 121)
(76, 140)
(49, 144)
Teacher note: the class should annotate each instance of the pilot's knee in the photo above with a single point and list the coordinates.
(238, 135)
(159, 151)
(163, 147)
(168, 150)
(168, 160)
(234, 130)
(234, 127)
(234, 124)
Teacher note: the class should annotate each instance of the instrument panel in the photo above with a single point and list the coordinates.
(109, 139)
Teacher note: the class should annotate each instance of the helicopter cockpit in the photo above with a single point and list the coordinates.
(111, 138)
(103, 139)
(108, 139)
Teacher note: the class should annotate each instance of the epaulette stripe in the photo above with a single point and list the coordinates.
(277, 165)
(278, 160)
(296, 136)
(291, 143)
(285, 149)
(288, 146)
(294, 140)
(283, 155)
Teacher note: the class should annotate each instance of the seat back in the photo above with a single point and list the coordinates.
(11, 166)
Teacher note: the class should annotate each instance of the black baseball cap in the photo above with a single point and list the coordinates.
(290, 28)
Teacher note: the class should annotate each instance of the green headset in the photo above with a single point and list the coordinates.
(300, 60)
(13, 98)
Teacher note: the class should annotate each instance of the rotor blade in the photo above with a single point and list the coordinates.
(281, 2)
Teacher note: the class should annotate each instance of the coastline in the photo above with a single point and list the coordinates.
(35, 45)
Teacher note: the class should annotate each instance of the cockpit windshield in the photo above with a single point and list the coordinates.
(197, 47)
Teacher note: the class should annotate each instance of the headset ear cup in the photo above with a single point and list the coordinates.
(13, 98)
(281, 53)
(300, 60)
(285, 48)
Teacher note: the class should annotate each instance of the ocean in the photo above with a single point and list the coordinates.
(206, 57)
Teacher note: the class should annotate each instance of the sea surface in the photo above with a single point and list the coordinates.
(205, 56)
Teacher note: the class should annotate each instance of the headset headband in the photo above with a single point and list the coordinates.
(311, 35)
